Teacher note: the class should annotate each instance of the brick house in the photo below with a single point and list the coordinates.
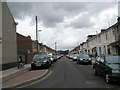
(24, 47)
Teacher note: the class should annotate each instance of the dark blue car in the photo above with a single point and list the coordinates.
(108, 66)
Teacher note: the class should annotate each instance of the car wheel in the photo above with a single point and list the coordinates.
(107, 78)
(47, 66)
(90, 63)
(32, 68)
(95, 72)
(77, 62)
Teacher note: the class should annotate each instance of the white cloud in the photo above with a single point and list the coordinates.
(24, 27)
(64, 23)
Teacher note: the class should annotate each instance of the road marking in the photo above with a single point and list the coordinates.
(35, 81)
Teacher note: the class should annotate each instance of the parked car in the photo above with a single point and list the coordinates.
(84, 59)
(70, 56)
(108, 66)
(40, 60)
(67, 55)
(51, 58)
(74, 57)
(55, 58)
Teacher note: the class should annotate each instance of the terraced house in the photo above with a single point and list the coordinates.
(8, 45)
(106, 42)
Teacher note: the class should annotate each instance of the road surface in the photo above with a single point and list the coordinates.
(68, 74)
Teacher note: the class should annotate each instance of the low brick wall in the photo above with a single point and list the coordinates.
(8, 65)
(29, 58)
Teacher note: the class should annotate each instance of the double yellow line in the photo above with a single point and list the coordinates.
(35, 81)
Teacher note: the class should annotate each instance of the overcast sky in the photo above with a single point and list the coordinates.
(67, 23)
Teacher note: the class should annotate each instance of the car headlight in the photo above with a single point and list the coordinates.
(45, 61)
(33, 61)
(75, 57)
(81, 59)
(115, 71)
(89, 58)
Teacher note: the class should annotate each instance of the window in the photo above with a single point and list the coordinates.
(117, 30)
(100, 50)
(109, 52)
(96, 38)
(101, 59)
(105, 50)
(99, 38)
(113, 31)
(106, 37)
(98, 59)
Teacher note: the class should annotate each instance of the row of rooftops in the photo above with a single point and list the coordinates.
(29, 37)
(90, 37)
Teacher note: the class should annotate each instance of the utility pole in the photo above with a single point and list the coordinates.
(78, 48)
(56, 47)
(36, 33)
(109, 24)
(119, 9)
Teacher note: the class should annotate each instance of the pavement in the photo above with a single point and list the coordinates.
(14, 77)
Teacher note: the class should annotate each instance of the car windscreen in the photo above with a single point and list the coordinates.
(39, 56)
(113, 59)
(75, 55)
(84, 56)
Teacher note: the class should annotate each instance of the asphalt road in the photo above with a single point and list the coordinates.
(68, 74)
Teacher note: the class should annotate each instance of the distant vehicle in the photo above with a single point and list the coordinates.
(108, 66)
(84, 59)
(74, 57)
(59, 56)
(40, 60)
(51, 58)
(69, 56)
(55, 58)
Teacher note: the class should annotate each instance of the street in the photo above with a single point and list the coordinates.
(68, 74)
(46, 44)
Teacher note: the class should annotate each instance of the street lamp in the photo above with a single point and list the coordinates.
(37, 32)
(39, 36)
(78, 47)
(55, 47)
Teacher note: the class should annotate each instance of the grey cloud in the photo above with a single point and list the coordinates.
(20, 10)
(82, 22)
(51, 14)
(97, 7)
(63, 47)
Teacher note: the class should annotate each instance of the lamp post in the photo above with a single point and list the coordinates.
(39, 45)
(55, 47)
(78, 47)
(37, 32)
(39, 36)
(36, 28)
